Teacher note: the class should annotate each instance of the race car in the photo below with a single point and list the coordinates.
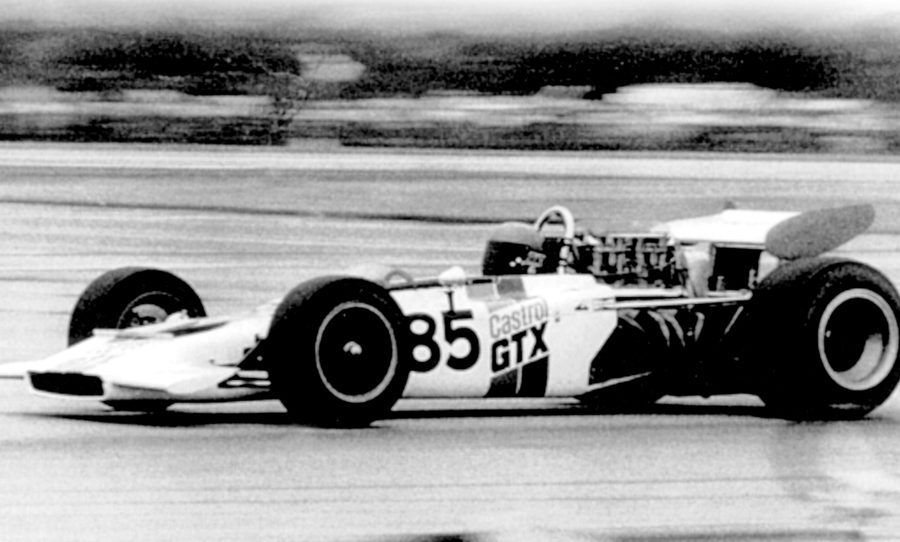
(738, 302)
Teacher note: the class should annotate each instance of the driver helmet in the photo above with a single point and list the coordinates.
(513, 248)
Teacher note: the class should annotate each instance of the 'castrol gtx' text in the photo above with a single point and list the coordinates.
(519, 354)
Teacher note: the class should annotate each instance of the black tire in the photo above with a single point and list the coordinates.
(131, 296)
(337, 352)
(826, 339)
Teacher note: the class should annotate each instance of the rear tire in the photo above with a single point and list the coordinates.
(337, 352)
(129, 297)
(828, 339)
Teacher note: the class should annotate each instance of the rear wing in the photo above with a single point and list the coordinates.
(786, 235)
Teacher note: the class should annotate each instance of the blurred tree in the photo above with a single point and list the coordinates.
(190, 62)
(604, 61)
(194, 63)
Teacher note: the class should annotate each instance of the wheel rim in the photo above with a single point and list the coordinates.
(151, 308)
(356, 352)
(858, 339)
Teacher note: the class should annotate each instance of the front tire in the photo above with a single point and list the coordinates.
(829, 339)
(130, 297)
(337, 352)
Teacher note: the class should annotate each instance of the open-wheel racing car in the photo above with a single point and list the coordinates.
(738, 302)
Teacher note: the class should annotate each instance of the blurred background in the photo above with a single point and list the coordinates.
(764, 76)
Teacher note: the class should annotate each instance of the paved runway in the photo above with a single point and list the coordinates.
(243, 226)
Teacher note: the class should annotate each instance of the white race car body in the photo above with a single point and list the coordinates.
(177, 360)
(639, 312)
(533, 336)
(523, 336)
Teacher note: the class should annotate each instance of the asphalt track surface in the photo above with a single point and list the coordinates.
(245, 225)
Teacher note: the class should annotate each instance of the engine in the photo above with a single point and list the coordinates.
(632, 259)
(639, 259)
(627, 259)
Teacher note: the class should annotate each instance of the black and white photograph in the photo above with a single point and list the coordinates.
(449, 270)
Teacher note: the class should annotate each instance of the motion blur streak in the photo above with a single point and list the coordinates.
(494, 16)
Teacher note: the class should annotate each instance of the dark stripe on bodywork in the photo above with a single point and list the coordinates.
(525, 380)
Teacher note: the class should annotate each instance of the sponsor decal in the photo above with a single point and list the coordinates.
(510, 351)
(519, 354)
(518, 317)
